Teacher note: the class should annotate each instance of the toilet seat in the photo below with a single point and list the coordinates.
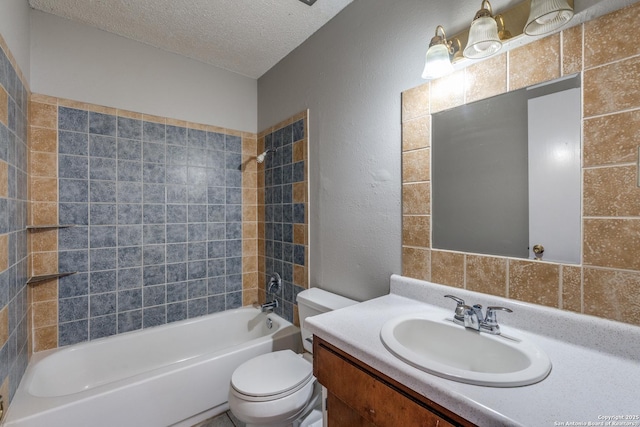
(271, 376)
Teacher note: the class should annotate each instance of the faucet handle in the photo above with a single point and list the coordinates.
(456, 299)
(490, 318)
(275, 282)
(459, 313)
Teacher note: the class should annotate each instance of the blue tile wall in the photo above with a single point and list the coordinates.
(13, 222)
(281, 213)
(158, 211)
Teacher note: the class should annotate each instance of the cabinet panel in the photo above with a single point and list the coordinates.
(379, 400)
(341, 415)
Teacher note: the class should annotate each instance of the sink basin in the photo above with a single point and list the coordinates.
(437, 345)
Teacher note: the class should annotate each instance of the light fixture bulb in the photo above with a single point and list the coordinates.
(543, 20)
(483, 39)
(438, 59)
(437, 63)
(483, 35)
(547, 16)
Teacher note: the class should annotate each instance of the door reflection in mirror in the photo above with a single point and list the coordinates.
(506, 173)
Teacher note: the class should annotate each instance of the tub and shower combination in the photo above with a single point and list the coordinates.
(172, 375)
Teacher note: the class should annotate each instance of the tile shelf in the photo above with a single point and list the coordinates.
(45, 277)
(49, 226)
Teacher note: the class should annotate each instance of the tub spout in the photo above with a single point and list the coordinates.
(269, 307)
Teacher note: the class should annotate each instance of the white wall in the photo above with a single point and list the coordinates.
(350, 75)
(78, 62)
(14, 27)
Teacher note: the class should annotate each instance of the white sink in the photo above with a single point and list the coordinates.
(437, 345)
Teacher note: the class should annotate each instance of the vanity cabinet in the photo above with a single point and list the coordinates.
(360, 396)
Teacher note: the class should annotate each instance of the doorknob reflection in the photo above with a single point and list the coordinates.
(538, 250)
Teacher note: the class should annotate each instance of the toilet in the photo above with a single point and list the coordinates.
(279, 389)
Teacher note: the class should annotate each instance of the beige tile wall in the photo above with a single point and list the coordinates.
(249, 219)
(43, 210)
(608, 279)
(43, 187)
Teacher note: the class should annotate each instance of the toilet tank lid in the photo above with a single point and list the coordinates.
(322, 300)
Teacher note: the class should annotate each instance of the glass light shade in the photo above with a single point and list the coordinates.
(546, 16)
(437, 63)
(483, 38)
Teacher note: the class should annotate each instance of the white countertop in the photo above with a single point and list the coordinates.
(596, 362)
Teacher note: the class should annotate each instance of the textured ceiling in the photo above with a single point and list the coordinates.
(244, 36)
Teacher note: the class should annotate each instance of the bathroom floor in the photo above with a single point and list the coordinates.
(223, 420)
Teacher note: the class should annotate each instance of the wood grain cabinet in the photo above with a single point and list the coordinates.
(360, 396)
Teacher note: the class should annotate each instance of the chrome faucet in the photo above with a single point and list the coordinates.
(471, 316)
(273, 287)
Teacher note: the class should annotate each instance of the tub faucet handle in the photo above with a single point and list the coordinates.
(274, 284)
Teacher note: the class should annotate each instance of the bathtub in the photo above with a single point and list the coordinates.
(172, 375)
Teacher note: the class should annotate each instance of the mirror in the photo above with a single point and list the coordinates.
(506, 174)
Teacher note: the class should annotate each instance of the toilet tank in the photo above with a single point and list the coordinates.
(315, 301)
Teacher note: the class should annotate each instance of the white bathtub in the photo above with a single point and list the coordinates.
(172, 375)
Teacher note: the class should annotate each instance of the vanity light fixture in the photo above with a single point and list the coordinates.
(546, 16)
(439, 54)
(503, 33)
(487, 33)
(484, 40)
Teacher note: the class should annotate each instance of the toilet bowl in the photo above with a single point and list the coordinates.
(274, 389)
(279, 389)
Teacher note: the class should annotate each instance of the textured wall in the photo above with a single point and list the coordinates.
(105, 69)
(609, 276)
(16, 31)
(346, 74)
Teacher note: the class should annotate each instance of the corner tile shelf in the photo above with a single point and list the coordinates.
(49, 226)
(45, 277)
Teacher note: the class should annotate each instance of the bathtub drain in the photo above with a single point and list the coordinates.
(269, 323)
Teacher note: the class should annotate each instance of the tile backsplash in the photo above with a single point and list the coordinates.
(609, 275)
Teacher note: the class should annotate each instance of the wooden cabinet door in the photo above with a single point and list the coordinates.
(362, 397)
